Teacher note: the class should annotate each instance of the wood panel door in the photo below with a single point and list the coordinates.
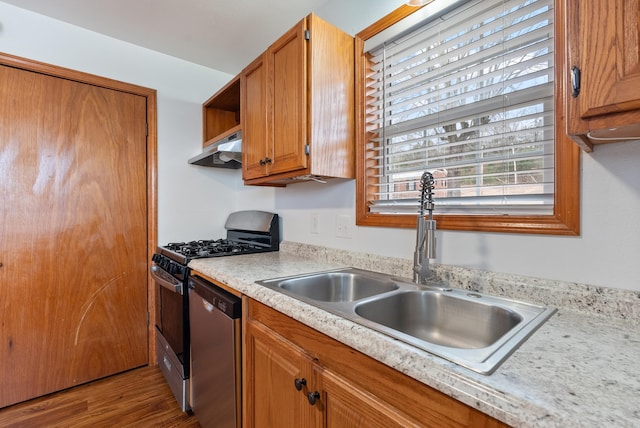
(73, 233)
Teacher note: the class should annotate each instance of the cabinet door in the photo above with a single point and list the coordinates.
(603, 39)
(348, 406)
(288, 74)
(255, 136)
(272, 367)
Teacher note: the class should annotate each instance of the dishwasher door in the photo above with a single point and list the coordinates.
(214, 316)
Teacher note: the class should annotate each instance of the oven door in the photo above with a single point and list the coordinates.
(170, 318)
(166, 280)
(172, 328)
(171, 309)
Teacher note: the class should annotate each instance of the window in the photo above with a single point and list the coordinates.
(468, 90)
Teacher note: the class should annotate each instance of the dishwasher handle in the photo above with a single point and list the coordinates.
(208, 306)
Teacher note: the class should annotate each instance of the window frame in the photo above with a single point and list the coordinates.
(565, 219)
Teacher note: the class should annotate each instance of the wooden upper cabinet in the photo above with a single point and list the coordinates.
(298, 107)
(602, 43)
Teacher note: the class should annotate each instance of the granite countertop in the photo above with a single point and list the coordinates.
(580, 369)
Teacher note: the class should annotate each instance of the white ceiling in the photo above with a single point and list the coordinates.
(222, 34)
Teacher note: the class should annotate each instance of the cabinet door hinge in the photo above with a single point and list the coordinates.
(575, 81)
(307, 149)
(307, 35)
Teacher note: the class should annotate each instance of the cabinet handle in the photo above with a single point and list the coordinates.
(262, 162)
(299, 383)
(575, 81)
(267, 160)
(313, 397)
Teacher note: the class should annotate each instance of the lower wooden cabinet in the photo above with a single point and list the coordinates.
(297, 376)
(348, 405)
(278, 376)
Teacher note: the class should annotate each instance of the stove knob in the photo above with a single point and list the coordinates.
(179, 271)
(172, 268)
(156, 258)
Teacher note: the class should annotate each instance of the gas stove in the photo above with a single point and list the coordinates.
(248, 232)
(184, 252)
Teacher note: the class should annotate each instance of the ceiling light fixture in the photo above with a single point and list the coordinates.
(418, 2)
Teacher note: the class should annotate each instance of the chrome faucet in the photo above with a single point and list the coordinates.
(426, 232)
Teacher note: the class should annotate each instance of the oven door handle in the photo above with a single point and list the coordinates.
(175, 285)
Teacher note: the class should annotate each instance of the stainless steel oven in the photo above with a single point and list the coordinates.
(247, 232)
(172, 324)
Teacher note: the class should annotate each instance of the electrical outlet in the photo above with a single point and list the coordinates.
(343, 226)
(315, 224)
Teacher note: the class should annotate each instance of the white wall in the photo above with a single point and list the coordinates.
(355, 15)
(181, 88)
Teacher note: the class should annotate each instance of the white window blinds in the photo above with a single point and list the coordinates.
(468, 96)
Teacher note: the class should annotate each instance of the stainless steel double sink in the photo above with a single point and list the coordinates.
(473, 330)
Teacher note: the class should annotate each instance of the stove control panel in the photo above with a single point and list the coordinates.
(174, 269)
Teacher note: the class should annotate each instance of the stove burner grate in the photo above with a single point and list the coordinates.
(211, 248)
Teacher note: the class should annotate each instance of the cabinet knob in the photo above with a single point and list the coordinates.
(299, 383)
(267, 160)
(313, 397)
(261, 162)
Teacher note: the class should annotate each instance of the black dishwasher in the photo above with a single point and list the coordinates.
(214, 316)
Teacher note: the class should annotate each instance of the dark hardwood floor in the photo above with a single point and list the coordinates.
(138, 398)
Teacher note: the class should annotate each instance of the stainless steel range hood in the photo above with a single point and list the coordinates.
(225, 153)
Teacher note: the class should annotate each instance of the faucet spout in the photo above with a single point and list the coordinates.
(425, 231)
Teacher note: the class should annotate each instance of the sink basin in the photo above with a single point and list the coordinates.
(441, 319)
(474, 330)
(343, 286)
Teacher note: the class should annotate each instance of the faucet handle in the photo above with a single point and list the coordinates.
(430, 239)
